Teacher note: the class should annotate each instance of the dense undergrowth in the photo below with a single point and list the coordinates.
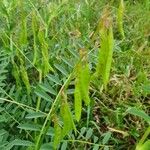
(74, 74)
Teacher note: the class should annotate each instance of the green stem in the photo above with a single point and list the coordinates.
(47, 120)
(42, 132)
(147, 132)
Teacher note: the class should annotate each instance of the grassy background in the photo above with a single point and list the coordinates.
(39, 44)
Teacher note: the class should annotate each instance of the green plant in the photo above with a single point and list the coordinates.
(106, 49)
(55, 60)
(120, 18)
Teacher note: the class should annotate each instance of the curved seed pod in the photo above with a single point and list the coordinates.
(66, 116)
(82, 83)
(15, 73)
(57, 131)
(25, 79)
(77, 101)
(34, 30)
(106, 49)
(45, 54)
(120, 18)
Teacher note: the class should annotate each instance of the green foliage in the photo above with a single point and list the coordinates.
(54, 55)
(21, 143)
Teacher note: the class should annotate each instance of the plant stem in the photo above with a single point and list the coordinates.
(47, 120)
(37, 146)
(147, 132)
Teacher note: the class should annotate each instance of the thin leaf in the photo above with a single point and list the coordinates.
(82, 131)
(2, 132)
(30, 127)
(47, 146)
(3, 144)
(96, 147)
(106, 138)
(1, 109)
(35, 115)
(3, 118)
(61, 69)
(139, 113)
(18, 142)
(46, 87)
(43, 94)
(64, 145)
(89, 133)
(54, 79)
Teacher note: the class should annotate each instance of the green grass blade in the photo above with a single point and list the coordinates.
(139, 113)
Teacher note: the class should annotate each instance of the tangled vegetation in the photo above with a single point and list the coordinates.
(74, 74)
